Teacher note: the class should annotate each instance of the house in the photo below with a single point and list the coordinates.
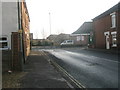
(52, 37)
(58, 39)
(14, 39)
(107, 28)
(84, 35)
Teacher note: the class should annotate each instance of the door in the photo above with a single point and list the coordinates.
(107, 41)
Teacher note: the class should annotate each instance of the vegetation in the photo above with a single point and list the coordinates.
(42, 43)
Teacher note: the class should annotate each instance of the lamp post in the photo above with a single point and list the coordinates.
(50, 22)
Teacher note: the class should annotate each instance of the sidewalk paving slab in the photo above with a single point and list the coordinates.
(41, 74)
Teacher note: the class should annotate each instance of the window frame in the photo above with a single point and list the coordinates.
(4, 41)
(82, 38)
(114, 36)
(113, 19)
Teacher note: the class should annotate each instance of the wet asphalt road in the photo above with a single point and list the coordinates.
(91, 68)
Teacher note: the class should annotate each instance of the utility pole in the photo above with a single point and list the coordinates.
(43, 34)
(50, 22)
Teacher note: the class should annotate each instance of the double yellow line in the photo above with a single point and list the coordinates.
(78, 84)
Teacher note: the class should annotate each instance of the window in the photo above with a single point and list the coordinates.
(69, 41)
(82, 38)
(78, 38)
(113, 20)
(3, 43)
(114, 39)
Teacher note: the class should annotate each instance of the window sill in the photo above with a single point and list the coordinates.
(114, 45)
(112, 27)
(3, 48)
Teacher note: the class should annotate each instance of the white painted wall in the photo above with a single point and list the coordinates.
(0, 51)
(9, 19)
(0, 14)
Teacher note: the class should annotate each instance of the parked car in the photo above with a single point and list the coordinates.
(67, 42)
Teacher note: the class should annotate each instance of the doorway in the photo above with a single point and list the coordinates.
(107, 39)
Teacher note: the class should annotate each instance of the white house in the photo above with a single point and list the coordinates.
(9, 23)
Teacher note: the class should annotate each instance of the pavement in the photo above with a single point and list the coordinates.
(41, 74)
(114, 51)
(109, 51)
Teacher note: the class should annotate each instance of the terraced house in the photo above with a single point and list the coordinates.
(14, 40)
(107, 28)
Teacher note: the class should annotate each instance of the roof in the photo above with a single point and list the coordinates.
(111, 10)
(85, 28)
(52, 36)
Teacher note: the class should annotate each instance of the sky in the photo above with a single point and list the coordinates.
(66, 16)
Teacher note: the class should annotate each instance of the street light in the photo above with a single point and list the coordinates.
(50, 22)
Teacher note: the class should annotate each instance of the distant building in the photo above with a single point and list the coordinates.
(31, 36)
(31, 40)
(52, 37)
(84, 35)
(61, 37)
(41, 42)
(35, 42)
(107, 28)
(58, 39)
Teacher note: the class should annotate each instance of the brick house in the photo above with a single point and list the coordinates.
(84, 35)
(14, 39)
(107, 28)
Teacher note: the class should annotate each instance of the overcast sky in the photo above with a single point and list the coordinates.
(66, 15)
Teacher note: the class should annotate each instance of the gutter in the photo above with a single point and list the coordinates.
(79, 34)
(18, 15)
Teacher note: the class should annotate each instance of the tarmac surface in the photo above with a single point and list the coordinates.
(93, 69)
(41, 74)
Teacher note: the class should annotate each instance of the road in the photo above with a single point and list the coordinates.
(91, 68)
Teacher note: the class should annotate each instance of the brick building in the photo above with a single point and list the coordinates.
(14, 39)
(25, 27)
(107, 28)
(84, 35)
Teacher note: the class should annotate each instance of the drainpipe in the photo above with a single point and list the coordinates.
(20, 35)
(118, 31)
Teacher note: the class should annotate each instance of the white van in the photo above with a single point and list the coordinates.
(67, 42)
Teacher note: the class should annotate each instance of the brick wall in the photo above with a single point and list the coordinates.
(16, 54)
(25, 27)
(6, 60)
(80, 42)
(100, 26)
(118, 28)
(12, 59)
